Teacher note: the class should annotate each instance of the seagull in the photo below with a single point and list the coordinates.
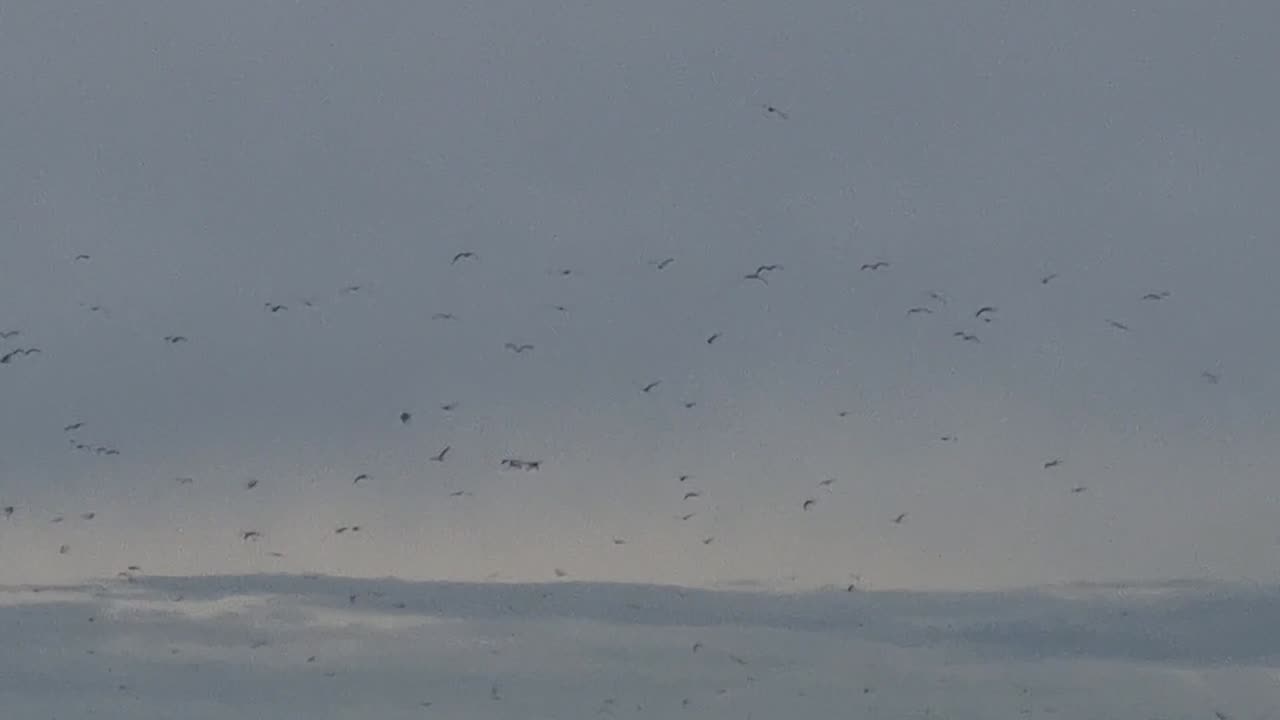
(687, 516)
(440, 457)
(708, 541)
(827, 483)
(808, 504)
(462, 256)
(516, 464)
(251, 484)
(443, 316)
(682, 478)
(1211, 378)
(662, 264)
(184, 480)
(275, 308)
(449, 407)
(8, 357)
(768, 268)
(1079, 489)
(8, 511)
(250, 535)
(6, 334)
(619, 541)
(560, 573)
(1156, 295)
(1053, 463)
(460, 493)
(82, 257)
(73, 426)
(689, 404)
(1118, 325)
(713, 338)
(874, 265)
(405, 417)
(984, 310)
(967, 337)
(925, 310)
(651, 386)
(358, 478)
(88, 515)
(175, 339)
(771, 110)
(517, 348)
(898, 520)
(1048, 278)
(692, 494)
(755, 276)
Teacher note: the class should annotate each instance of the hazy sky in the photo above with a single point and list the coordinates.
(212, 158)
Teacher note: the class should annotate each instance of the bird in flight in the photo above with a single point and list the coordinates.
(449, 406)
(1211, 378)
(651, 386)
(1048, 278)
(517, 348)
(772, 110)
(915, 310)
(1118, 325)
(276, 307)
(8, 511)
(682, 478)
(662, 264)
(755, 276)
(405, 417)
(1052, 463)
(966, 337)
(687, 516)
(1156, 295)
(82, 257)
(517, 464)
(985, 310)
(88, 515)
(250, 535)
(460, 493)
(443, 316)
(1079, 489)
(768, 268)
(175, 339)
(898, 520)
(692, 494)
(713, 337)
(251, 484)
(462, 256)
(827, 483)
(440, 456)
(73, 426)
(8, 357)
(6, 334)
(808, 504)
(358, 478)
(874, 265)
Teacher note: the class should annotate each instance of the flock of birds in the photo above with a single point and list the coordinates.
(17, 351)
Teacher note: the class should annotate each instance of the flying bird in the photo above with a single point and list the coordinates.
(987, 309)
(440, 456)
(88, 515)
(184, 480)
(517, 348)
(462, 256)
(768, 268)
(250, 535)
(1048, 278)
(82, 257)
(915, 310)
(808, 504)
(898, 520)
(443, 316)
(517, 464)
(1118, 325)
(713, 337)
(1052, 463)
(449, 407)
(275, 307)
(827, 483)
(755, 276)
(405, 417)
(8, 511)
(692, 494)
(966, 337)
(560, 573)
(1211, 378)
(358, 478)
(1156, 295)
(73, 426)
(460, 493)
(175, 339)
(1079, 489)
(682, 478)
(6, 334)
(874, 265)
(662, 264)
(651, 386)
(771, 110)
(8, 357)
(687, 516)
(251, 484)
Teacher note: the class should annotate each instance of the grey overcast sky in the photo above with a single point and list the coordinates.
(213, 158)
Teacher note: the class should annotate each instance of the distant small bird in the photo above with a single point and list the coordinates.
(1048, 278)
(449, 407)
(697, 646)
(460, 493)
(462, 256)
(915, 310)
(1156, 295)
(651, 386)
(768, 268)
(251, 484)
(440, 457)
(88, 515)
(8, 510)
(619, 541)
(713, 337)
(6, 334)
(966, 337)
(1211, 378)
(827, 483)
(64, 549)
(985, 310)
(250, 535)
(687, 516)
(1052, 463)
(692, 494)
(708, 541)
(1118, 325)
(808, 504)
(1079, 489)
(898, 520)
(517, 348)
(560, 573)
(184, 480)
(82, 257)
(755, 276)
(405, 417)
(938, 297)
(682, 478)
(874, 265)
(275, 308)
(662, 264)
(8, 357)
(443, 316)
(772, 110)
(358, 478)
(517, 464)
(175, 339)
(73, 426)
(689, 405)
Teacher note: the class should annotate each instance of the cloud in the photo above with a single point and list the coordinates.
(324, 646)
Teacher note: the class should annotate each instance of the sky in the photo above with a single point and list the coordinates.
(1057, 162)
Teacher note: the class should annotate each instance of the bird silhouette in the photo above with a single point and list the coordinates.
(175, 339)
(651, 386)
(874, 265)
(275, 308)
(460, 493)
(251, 484)
(917, 310)
(1118, 325)
(517, 348)
(405, 417)
(358, 478)
(462, 256)
(517, 464)
(1045, 280)
(662, 264)
(1211, 378)
(755, 276)
(8, 357)
(250, 535)
(898, 520)
(966, 337)
(713, 337)
(1161, 295)
(73, 426)
(6, 334)
(808, 504)
(827, 483)
(440, 457)
(1052, 463)
(443, 316)
(985, 310)
(692, 494)
(772, 110)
